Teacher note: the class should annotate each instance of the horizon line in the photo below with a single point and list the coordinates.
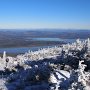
(42, 29)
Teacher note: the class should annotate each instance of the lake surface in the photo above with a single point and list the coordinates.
(55, 39)
(18, 50)
(46, 39)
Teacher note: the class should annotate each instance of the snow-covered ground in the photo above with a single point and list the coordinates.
(65, 67)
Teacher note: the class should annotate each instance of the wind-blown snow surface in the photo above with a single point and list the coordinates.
(65, 67)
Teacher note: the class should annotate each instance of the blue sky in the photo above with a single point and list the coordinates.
(29, 14)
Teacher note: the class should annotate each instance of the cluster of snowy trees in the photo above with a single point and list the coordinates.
(65, 67)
